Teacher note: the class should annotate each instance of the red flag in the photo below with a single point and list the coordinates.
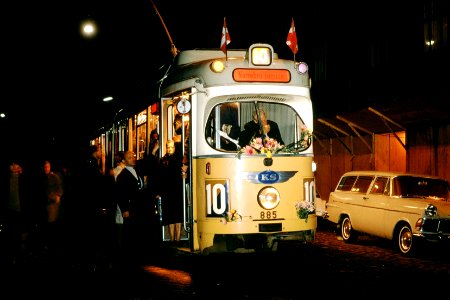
(225, 37)
(291, 40)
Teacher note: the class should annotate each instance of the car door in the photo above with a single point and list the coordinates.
(375, 203)
(359, 199)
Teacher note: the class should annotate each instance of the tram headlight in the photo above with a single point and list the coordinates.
(268, 198)
(217, 66)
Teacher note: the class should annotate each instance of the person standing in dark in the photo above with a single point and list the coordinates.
(152, 174)
(51, 193)
(153, 155)
(83, 210)
(131, 198)
(118, 218)
(171, 190)
(16, 212)
(148, 167)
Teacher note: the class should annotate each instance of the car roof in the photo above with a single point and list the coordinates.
(388, 173)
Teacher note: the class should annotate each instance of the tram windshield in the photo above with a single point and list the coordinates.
(255, 127)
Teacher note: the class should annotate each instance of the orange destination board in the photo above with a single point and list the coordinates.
(261, 75)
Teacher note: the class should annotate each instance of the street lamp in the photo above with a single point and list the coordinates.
(88, 29)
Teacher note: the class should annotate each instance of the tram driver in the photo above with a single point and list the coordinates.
(260, 126)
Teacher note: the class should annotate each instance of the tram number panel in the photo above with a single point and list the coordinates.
(268, 215)
(217, 200)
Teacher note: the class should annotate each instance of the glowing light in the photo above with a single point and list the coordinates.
(88, 29)
(217, 66)
(173, 276)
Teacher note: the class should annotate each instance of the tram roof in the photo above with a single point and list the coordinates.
(196, 55)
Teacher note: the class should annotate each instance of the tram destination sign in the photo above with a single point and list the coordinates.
(261, 75)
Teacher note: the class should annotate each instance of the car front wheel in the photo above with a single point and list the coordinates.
(404, 239)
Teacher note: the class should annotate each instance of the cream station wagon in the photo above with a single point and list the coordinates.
(404, 208)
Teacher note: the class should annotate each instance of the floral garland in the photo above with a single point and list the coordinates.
(231, 216)
(258, 145)
(269, 145)
(305, 137)
(304, 208)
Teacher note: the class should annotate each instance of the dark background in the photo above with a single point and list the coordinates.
(54, 79)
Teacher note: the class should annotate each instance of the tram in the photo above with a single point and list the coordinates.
(238, 195)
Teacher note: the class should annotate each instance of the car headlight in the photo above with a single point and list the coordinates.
(431, 210)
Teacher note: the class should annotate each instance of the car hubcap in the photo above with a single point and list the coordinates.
(405, 240)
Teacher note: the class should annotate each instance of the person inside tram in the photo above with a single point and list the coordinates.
(260, 126)
(229, 141)
(229, 129)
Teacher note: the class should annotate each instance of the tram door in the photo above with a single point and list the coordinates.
(175, 127)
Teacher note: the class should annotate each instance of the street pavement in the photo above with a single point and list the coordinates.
(326, 267)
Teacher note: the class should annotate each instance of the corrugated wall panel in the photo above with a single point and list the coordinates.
(443, 160)
(420, 151)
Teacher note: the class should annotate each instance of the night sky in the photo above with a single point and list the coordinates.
(54, 80)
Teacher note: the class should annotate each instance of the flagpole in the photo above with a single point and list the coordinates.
(291, 40)
(225, 39)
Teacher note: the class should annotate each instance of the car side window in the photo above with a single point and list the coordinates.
(346, 183)
(379, 186)
(362, 184)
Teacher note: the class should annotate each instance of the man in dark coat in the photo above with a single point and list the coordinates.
(133, 205)
(260, 126)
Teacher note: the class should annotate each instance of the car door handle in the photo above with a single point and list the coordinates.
(365, 198)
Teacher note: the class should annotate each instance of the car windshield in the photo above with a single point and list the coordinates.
(422, 187)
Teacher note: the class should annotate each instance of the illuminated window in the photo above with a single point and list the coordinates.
(261, 56)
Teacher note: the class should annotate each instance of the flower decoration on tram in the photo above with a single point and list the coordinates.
(301, 144)
(305, 137)
(304, 208)
(259, 145)
(231, 216)
(270, 146)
